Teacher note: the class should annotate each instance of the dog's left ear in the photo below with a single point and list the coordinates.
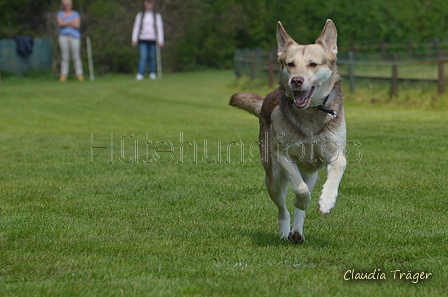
(328, 38)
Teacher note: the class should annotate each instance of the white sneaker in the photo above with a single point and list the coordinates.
(139, 77)
(152, 76)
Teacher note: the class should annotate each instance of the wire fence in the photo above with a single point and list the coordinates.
(415, 62)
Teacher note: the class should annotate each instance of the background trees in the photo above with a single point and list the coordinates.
(205, 33)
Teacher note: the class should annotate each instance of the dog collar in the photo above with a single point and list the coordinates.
(322, 107)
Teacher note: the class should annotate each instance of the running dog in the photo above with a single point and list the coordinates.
(302, 127)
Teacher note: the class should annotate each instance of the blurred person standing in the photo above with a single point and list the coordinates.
(147, 33)
(69, 23)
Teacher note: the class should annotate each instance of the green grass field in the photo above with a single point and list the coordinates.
(125, 188)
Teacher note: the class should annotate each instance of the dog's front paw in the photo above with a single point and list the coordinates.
(325, 208)
(296, 237)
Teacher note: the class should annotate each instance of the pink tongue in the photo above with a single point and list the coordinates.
(301, 98)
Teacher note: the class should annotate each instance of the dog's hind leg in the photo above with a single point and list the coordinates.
(277, 184)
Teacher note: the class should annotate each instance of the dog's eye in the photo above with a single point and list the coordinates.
(291, 64)
(313, 64)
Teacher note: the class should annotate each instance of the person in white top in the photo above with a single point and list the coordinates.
(148, 29)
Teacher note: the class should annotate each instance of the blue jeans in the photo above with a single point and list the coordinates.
(147, 50)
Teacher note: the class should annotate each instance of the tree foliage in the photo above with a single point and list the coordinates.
(204, 33)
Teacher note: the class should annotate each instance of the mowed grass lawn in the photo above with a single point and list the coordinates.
(152, 188)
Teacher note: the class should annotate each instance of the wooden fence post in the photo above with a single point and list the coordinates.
(251, 57)
(441, 66)
(257, 61)
(271, 57)
(437, 46)
(237, 63)
(351, 69)
(353, 46)
(395, 76)
(246, 62)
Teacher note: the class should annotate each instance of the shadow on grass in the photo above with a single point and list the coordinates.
(263, 239)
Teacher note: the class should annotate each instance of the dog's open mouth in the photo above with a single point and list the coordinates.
(302, 98)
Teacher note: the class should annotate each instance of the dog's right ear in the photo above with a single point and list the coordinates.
(283, 39)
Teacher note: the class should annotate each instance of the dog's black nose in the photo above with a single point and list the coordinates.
(297, 81)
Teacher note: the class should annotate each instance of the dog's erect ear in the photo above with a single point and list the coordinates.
(329, 37)
(283, 39)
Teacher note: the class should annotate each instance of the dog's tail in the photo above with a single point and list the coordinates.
(249, 102)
